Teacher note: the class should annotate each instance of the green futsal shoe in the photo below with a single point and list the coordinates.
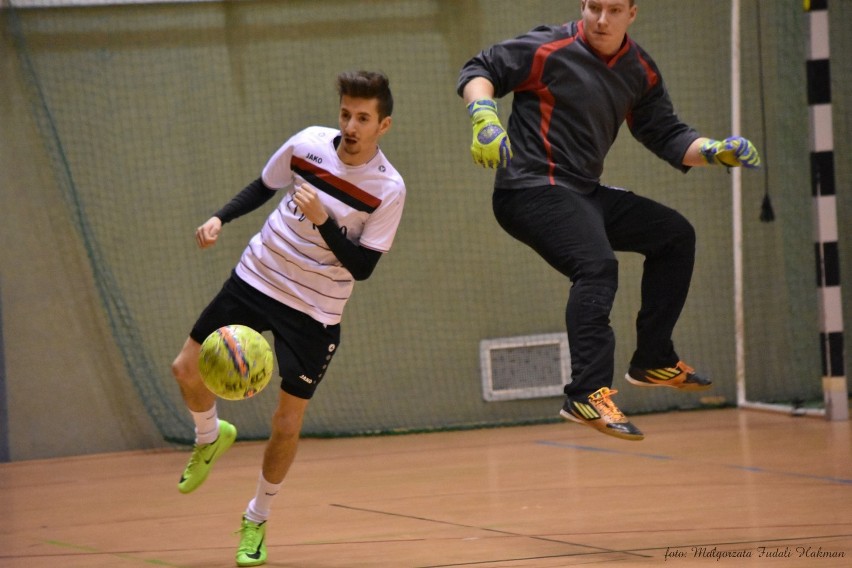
(204, 456)
(252, 549)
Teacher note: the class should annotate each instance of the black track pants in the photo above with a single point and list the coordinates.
(577, 233)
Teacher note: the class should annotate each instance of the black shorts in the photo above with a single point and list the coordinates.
(303, 346)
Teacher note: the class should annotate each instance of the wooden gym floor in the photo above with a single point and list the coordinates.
(717, 487)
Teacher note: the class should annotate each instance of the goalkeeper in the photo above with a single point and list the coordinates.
(573, 86)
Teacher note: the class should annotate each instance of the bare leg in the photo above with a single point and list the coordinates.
(210, 444)
(286, 427)
(197, 397)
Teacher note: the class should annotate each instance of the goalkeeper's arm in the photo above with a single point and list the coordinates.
(732, 152)
(490, 146)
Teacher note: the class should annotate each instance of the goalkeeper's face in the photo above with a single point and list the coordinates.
(605, 23)
(360, 128)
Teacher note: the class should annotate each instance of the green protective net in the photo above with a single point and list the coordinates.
(155, 115)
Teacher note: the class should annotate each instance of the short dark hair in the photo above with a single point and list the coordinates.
(367, 85)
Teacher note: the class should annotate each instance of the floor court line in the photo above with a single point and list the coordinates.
(596, 549)
(752, 469)
(85, 551)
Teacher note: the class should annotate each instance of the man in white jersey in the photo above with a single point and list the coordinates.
(340, 210)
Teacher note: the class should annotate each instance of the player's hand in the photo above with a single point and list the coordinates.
(732, 152)
(490, 147)
(207, 234)
(309, 203)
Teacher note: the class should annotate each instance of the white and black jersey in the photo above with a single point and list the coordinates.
(288, 259)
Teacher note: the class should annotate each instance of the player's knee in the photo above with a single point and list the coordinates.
(185, 365)
(286, 425)
(681, 232)
(184, 368)
(682, 240)
(593, 292)
(598, 273)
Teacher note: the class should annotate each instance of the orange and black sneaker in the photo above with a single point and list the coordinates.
(681, 377)
(600, 413)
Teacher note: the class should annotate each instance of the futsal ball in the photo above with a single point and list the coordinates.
(235, 362)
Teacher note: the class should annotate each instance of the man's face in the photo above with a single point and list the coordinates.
(606, 22)
(360, 129)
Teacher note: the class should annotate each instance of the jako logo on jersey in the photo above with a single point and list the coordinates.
(306, 379)
(313, 158)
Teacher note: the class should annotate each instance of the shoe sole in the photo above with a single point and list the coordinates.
(629, 437)
(687, 387)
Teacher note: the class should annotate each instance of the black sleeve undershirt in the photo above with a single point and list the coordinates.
(359, 261)
(250, 198)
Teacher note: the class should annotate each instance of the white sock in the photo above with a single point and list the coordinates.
(206, 425)
(259, 507)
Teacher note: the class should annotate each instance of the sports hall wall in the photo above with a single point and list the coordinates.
(122, 128)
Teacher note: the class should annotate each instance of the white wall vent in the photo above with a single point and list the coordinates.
(529, 366)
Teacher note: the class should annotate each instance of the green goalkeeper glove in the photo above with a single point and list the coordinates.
(731, 152)
(490, 147)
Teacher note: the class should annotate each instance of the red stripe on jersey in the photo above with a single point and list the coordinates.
(653, 78)
(535, 84)
(349, 189)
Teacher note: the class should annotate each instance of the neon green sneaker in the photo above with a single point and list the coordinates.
(252, 549)
(204, 456)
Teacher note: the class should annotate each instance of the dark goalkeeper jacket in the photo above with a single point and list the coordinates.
(569, 104)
